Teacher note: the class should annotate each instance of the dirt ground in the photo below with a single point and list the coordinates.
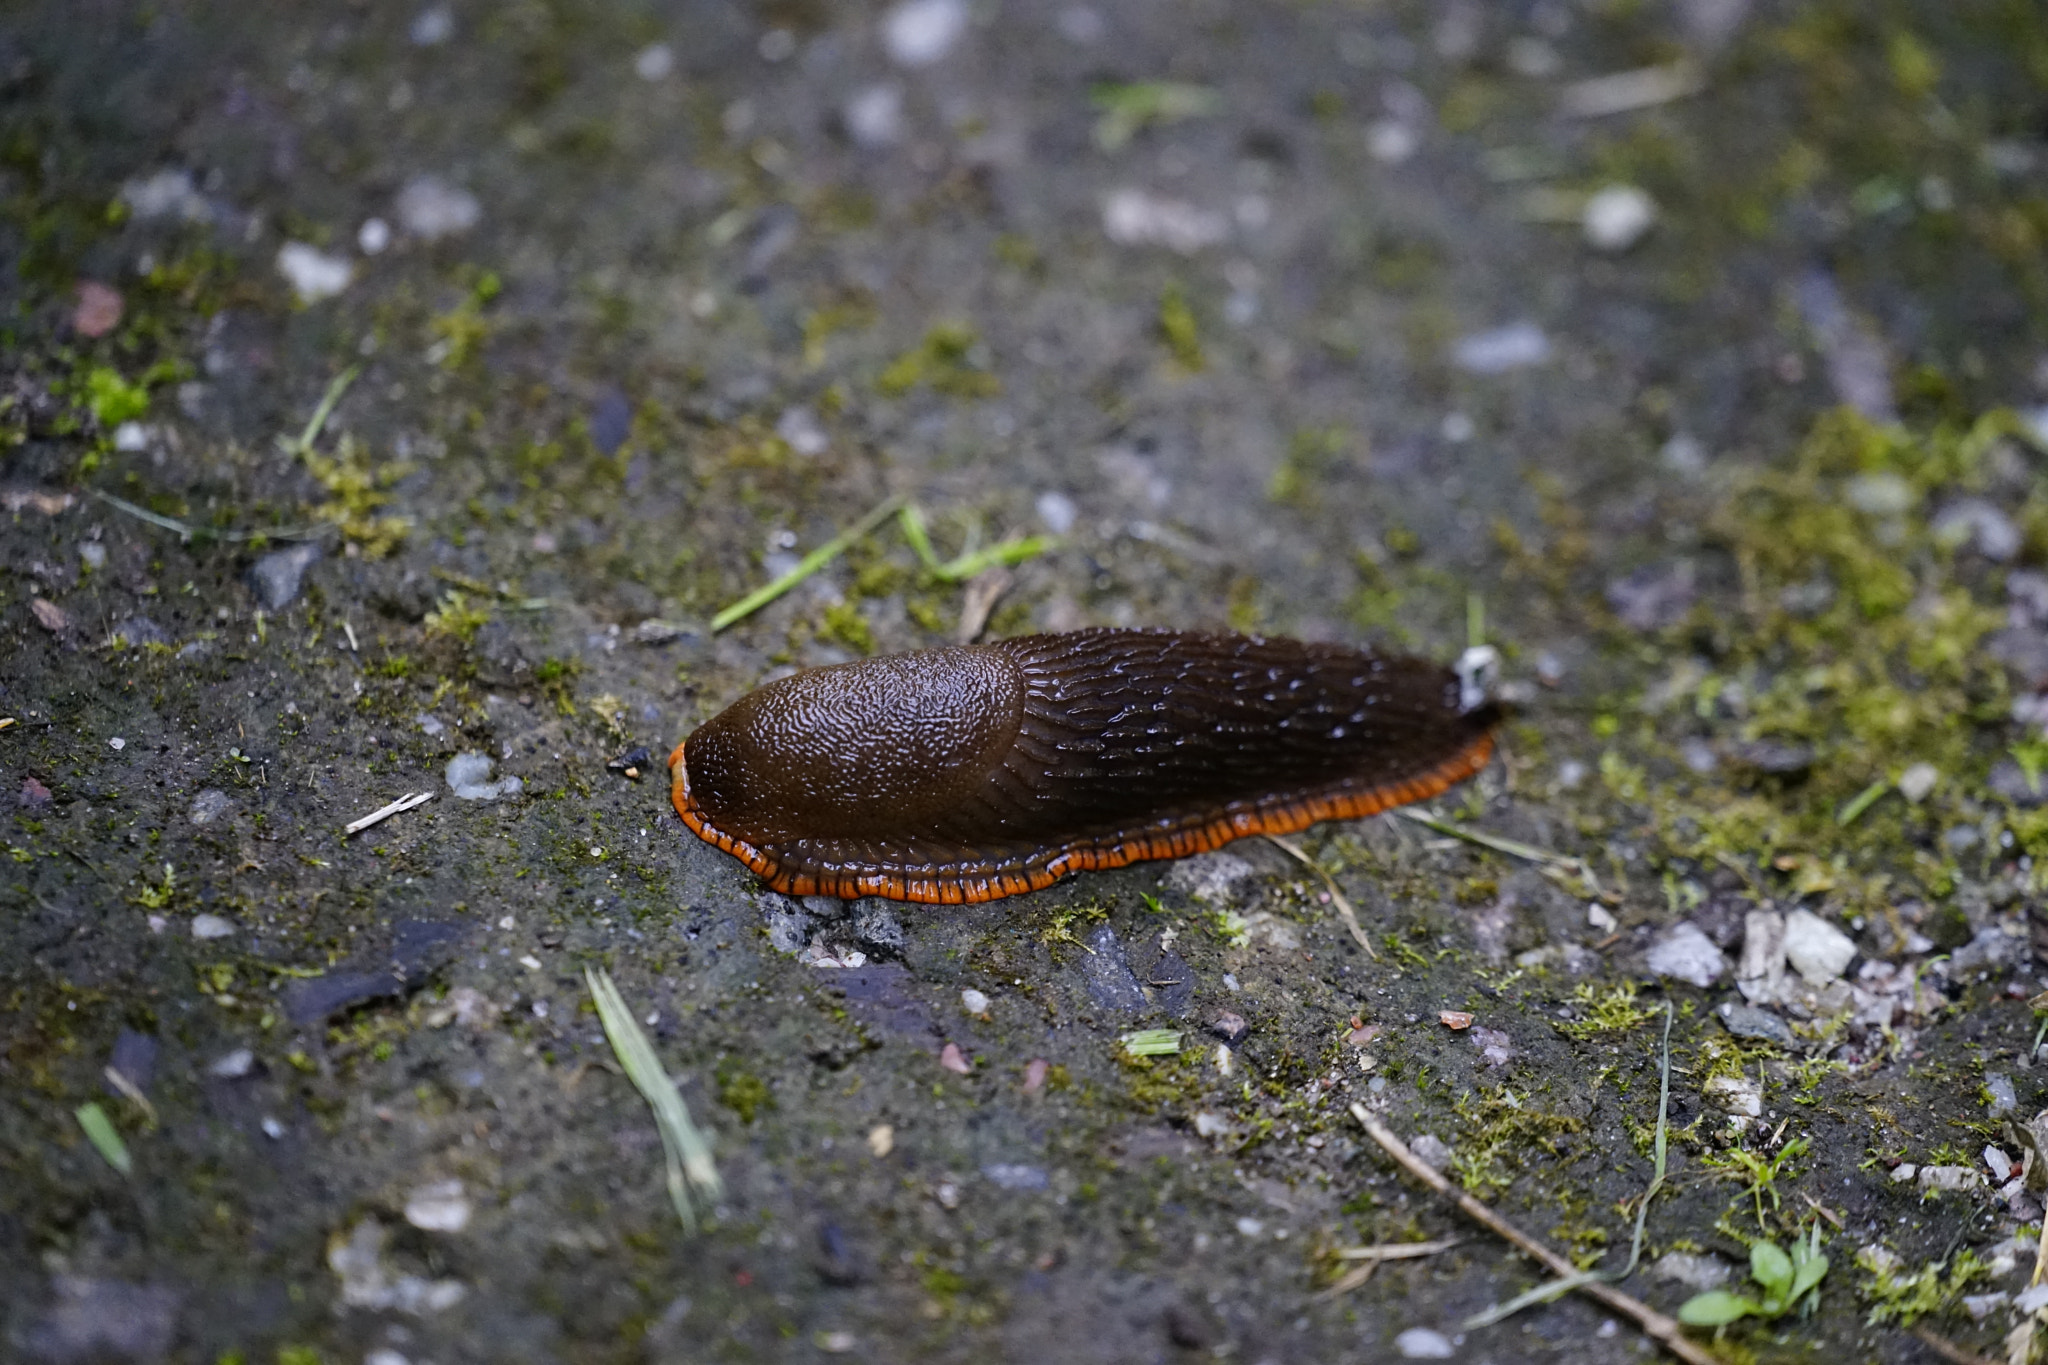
(385, 384)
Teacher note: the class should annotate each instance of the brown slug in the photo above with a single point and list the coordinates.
(966, 774)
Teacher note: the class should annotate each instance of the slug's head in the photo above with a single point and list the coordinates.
(854, 750)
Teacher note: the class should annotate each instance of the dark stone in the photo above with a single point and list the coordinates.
(134, 1057)
(1774, 757)
(1173, 984)
(419, 948)
(640, 756)
(1112, 985)
(877, 926)
(2024, 650)
(611, 421)
(275, 578)
(34, 795)
(836, 1262)
(1231, 1028)
(2009, 780)
(1187, 1328)
(1747, 1021)
(96, 1320)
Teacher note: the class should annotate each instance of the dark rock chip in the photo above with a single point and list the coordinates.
(275, 578)
(877, 926)
(419, 948)
(95, 1320)
(1747, 1021)
(1187, 1328)
(837, 1263)
(1774, 757)
(611, 421)
(134, 1057)
(34, 795)
(640, 756)
(1112, 985)
(2024, 650)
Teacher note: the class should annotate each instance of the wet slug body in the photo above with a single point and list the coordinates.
(965, 774)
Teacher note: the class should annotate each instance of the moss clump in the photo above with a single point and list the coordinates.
(1178, 330)
(742, 1091)
(1500, 1129)
(357, 490)
(950, 360)
(1610, 1009)
(1897, 1296)
(844, 623)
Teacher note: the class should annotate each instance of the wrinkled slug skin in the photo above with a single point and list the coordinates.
(965, 774)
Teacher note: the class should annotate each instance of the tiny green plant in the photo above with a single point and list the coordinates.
(1758, 1174)
(1786, 1281)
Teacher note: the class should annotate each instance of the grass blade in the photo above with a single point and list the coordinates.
(100, 1132)
(684, 1145)
(808, 565)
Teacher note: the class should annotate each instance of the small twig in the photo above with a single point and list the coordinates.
(1660, 1328)
(1337, 898)
(984, 590)
(1949, 1350)
(133, 1092)
(376, 817)
(1862, 802)
(808, 565)
(350, 631)
(1350, 1280)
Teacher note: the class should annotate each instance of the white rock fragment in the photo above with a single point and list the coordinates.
(430, 208)
(2000, 1164)
(1433, 1150)
(209, 806)
(1943, 1178)
(1057, 511)
(210, 927)
(1600, 918)
(233, 1066)
(1686, 953)
(1905, 1173)
(1617, 217)
(1424, 1343)
(1917, 782)
(1501, 349)
(312, 273)
(469, 777)
(1740, 1096)
(874, 116)
(2032, 1300)
(1760, 972)
(1391, 141)
(1816, 949)
(132, 438)
(1981, 525)
(1133, 217)
(1211, 877)
(1250, 1227)
(1209, 1124)
(373, 236)
(1982, 1306)
(2000, 1099)
(439, 1207)
(433, 26)
(920, 32)
(798, 427)
(654, 62)
(973, 1001)
(1699, 1273)
(167, 194)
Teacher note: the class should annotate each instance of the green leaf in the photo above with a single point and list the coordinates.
(1152, 1042)
(100, 1131)
(1715, 1308)
(1770, 1267)
(1809, 1273)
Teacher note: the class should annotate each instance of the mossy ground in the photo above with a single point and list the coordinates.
(699, 329)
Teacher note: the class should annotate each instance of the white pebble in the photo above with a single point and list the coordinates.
(1500, 349)
(874, 116)
(433, 25)
(469, 778)
(132, 437)
(234, 1065)
(1685, 952)
(1250, 1227)
(1618, 217)
(117, 743)
(1424, 1343)
(654, 62)
(920, 32)
(1816, 949)
(373, 236)
(973, 1001)
(1600, 918)
(439, 1207)
(1917, 781)
(1391, 141)
(313, 274)
(2000, 1164)
(431, 208)
(272, 1129)
(210, 926)
(1057, 511)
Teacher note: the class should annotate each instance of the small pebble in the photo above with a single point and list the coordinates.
(430, 208)
(1431, 1149)
(948, 1194)
(921, 32)
(1501, 349)
(1035, 1072)
(1918, 781)
(881, 1140)
(955, 1061)
(234, 1065)
(1231, 1028)
(209, 806)
(1598, 916)
(973, 1001)
(1617, 217)
(1687, 954)
(373, 236)
(1454, 1019)
(1904, 1173)
(432, 26)
(654, 62)
(469, 778)
(272, 1129)
(1424, 1343)
(1933, 1178)
(2000, 1164)
(96, 310)
(1747, 1021)
(1816, 949)
(312, 273)
(210, 926)
(2002, 1100)
(874, 116)
(439, 1207)
(1250, 1227)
